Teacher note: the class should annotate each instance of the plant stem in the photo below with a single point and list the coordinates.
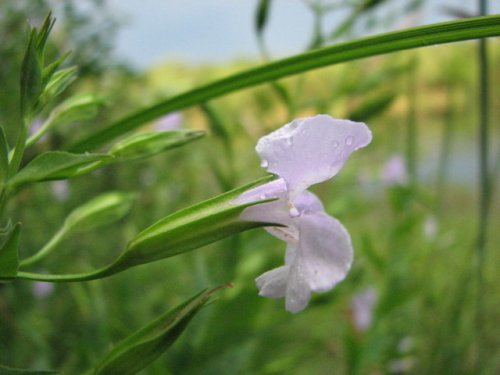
(484, 185)
(46, 250)
(18, 152)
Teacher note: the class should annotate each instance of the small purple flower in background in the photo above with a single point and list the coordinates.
(42, 290)
(172, 121)
(394, 171)
(60, 190)
(362, 305)
(319, 250)
(36, 125)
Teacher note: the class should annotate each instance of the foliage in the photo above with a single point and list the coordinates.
(409, 304)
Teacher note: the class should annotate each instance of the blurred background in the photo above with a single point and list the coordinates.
(410, 200)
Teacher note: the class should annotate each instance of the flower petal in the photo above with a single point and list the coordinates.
(325, 252)
(311, 150)
(273, 283)
(298, 292)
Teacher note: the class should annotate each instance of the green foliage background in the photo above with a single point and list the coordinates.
(414, 242)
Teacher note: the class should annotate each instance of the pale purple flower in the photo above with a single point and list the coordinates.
(172, 121)
(362, 305)
(41, 289)
(60, 190)
(319, 250)
(394, 171)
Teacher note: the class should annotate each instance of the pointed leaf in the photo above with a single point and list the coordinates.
(75, 108)
(146, 144)
(145, 345)
(9, 245)
(31, 77)
(56, 165)
(262, 15)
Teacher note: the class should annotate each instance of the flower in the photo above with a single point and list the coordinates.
(319, 250)
(172, 121)
(394, 171)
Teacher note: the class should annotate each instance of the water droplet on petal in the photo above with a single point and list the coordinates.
(348, 141)
(294, 212)
(264, 163)
(262, 196)
(335, 144)
(289, 141)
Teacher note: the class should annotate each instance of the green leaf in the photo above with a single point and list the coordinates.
(146, 144)
(262, 15)
(58, 82)
(410, 38)
(56, 165)
(31, 77)
(9, 246)
(4, 159)
(188, 229)
(76, 108)
(4, 370)
(145, 345)
(102, 210)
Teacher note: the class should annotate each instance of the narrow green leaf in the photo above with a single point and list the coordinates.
(4, 159)
(9, 246)
(146, 144)
(56, 165)
(400, 40)
(76, 108)
(50, 69)
(58, 82)
(43, 35)
(4, 370)
(262, 15)
(31, 77)
(145, 345)
(102, 210)
(188, 229)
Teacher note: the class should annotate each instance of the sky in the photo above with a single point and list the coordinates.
(215, 31)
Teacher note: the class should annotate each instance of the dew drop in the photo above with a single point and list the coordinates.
(264, 163)
(294, 212)
(262, 196)
(348, 141)
(289, 141)
(335, 144)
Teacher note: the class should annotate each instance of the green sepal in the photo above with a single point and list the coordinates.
(4, 159)
(57, 165)
(102, 210)
(146, 144)
(4, 370)
(188, 229)
(9, 246)
(145, 345)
